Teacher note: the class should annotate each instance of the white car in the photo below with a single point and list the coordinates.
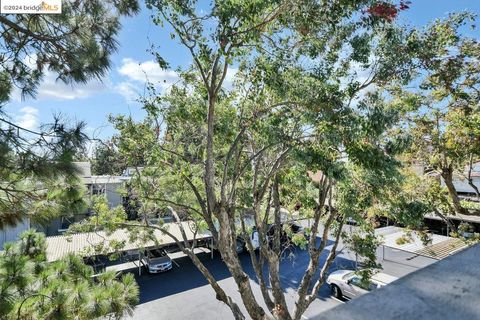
(346, 283)
(240, 245)
(157, 261)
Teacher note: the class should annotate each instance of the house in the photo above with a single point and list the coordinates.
(460, 181)
(96, 185)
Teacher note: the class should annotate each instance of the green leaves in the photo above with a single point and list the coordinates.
(31, 288)
(38, 179)
(75, 45)
(442, 114)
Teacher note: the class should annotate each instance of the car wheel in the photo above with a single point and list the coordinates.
(336, 291)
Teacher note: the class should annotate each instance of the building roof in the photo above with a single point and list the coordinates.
(458, 216)
(439, 247)
(447, 289)
(108, 179)
(85, 243)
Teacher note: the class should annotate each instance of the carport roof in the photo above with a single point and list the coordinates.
(85, 243)
(461, 217)
(439, 247)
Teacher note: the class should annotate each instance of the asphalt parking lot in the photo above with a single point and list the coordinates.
(183, 293)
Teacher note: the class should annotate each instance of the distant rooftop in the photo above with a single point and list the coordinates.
(447, 289)
(458, 216)
(85, 173)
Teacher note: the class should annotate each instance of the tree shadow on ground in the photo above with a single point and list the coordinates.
(186, 276)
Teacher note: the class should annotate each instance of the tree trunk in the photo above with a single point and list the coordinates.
(209, 163)
(226, 234)
(302, 301)
(469, 178)
(281, 308)
(258, 268)
(227, 247)
(447, 175)
(445, 219)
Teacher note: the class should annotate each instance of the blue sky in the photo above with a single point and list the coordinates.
(117, 92)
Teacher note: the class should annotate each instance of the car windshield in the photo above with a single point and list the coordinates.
(159, 260)
(365, 285)
(154, 253)
(348, 275)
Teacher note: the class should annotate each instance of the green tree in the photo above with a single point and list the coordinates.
(32, 288)
(37, 178)
(107, 160)
(444, 110)
(75, 45)
(225, 157)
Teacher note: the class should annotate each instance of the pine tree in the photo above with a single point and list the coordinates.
(76, 45)
(37, 177)
(32, 288)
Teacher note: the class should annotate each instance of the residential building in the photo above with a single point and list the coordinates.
(95, 185)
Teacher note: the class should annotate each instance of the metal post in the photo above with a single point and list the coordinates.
(211, 250)
(139, 263)
(383, 254)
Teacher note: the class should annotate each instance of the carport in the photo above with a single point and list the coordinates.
(90, 244)
(412, 251)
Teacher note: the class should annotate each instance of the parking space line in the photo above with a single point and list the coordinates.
(334, 298)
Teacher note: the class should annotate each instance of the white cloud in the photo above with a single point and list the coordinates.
(49, 87)
(28, 118)
(57, 89)
(147, 71)
(129, 90)
(136, 74)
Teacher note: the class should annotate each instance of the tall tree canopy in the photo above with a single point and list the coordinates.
(107, 160)
(443, 115)
(37, 178)
(310, 95)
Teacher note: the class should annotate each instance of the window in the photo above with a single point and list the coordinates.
(365, 285)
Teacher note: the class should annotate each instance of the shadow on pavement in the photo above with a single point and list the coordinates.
(186, 276)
